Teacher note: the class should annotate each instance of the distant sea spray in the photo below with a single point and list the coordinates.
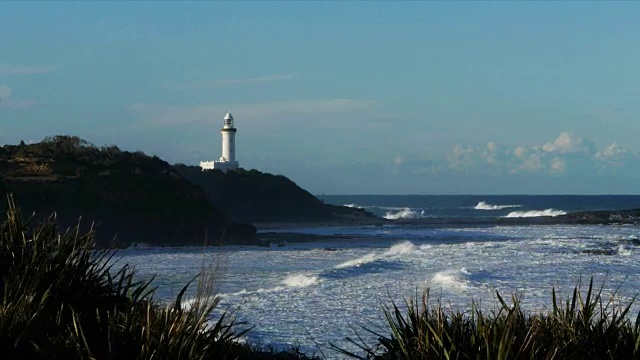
(353, 206)
(482, 205)
(391, 213)
(535, 213)
(404, 213)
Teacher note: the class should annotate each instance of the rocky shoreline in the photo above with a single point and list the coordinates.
(596, 217)
(281, 233)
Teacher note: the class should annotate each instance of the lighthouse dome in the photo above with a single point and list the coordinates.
(228, 116)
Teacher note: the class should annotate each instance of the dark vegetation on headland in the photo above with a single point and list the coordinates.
(130, 196)
(133, 197)
(254, 196)
(61, 299)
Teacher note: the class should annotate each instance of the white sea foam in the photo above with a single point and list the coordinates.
(404, 213)
(245, 292)
(546, 256)
(300, 280)
(397, 249)
(357, 262)
(402, 248)
(624, 251)
(482, 205)
(187, 304)
(535, 213)
(451, 279)
(237, 293)
(355, 206)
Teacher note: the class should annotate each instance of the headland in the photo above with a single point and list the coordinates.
(131, 197)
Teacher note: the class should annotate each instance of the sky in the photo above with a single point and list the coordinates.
(341, 97)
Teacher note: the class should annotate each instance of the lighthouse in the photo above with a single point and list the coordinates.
(228, 159)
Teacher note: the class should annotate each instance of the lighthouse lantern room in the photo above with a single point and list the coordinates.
(228, 159)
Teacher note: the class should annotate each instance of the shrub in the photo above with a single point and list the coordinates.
(60, 298)
(585, 326)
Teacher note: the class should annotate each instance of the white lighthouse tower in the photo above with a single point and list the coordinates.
(228, 159)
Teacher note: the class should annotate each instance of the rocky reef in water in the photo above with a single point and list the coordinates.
(603, 217)
(129, 197)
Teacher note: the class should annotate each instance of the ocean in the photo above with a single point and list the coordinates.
(315, 293)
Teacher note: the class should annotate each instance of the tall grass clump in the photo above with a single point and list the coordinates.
(583, 326)
(62, 299)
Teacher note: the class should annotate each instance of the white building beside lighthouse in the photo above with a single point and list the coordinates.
(228, 159)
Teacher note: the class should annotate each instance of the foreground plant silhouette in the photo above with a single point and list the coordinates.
(585, 326)
(60, 298)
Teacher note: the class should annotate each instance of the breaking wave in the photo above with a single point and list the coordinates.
(397, 249)
(535, 213)
(482, 205)
(624, 251)
(451, 279)
(405, 213)
(300, 280)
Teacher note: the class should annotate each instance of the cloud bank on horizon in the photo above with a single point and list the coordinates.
(568, 153)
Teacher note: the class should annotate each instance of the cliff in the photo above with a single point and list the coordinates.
(254, 196)
(130, 196)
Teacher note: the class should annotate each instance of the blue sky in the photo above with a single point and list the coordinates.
(342, 97)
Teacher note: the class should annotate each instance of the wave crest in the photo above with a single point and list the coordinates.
(300, 280)
(405, 213)
(535, 213)
(482, 205)
(452, 279)
(397, 249)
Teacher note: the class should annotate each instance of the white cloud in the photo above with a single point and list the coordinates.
(9, 69)
(521, 152)
(567, 143)
(525, 159)
(612, 154)
(461, 157)
(8, 101)
(611, 151)
(558, 165)
(567, 154)
(271, 112)
(532, 163)
(490, 153)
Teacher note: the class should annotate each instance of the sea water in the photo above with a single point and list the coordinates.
(312, 294)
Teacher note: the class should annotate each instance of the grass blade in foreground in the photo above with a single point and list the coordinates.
(586, 327)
